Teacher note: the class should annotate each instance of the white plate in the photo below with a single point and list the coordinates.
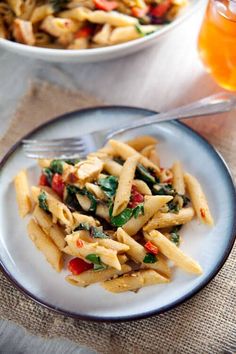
(98, 54)
(28, 270)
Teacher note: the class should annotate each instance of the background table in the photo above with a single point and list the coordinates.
(161, 77)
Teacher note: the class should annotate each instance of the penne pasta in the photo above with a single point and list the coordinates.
(178, 178)
(151, 205)
(52, 230)
(142, 187)
(22, 193)
(125, 151)
(45, 245)
(161, 220)
(125, 184)
(90, 276)
(141, 142)
(198, 199)
(171, 251)
(134, 281)
(137, 253)
(112, 167)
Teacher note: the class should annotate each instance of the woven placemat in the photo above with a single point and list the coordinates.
(204, 324)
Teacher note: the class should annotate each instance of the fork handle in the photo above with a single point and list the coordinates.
(218, 103)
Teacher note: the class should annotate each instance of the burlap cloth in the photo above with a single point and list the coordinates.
(205, 324)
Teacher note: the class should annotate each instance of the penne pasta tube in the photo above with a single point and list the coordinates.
(56, 207)
(90, 276)
(137, 253)
(142, 187)
(83, 219)
(134, 281)
(126, 151)
(45, 245)
(107, 256)
(125, 184)
(141, 142)
(101, 210)
(178, 178)
(112, 167)
(40, 12)
(161, 220)
(112, 18)
(22, 193)
(171, 251)
(151, 205)
(112, 244)
(96, 190)
(52, 230)
(198, 199)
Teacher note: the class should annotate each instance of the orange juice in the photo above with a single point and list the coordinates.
(217, 42)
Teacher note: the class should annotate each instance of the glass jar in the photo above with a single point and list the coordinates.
(217, 42)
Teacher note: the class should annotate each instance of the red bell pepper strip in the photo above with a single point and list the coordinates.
(160, 10)
(43, 180)
(77, 266)
(105, 5)
(150, 247)
(135, 198)
(84, 32)
(58, 184)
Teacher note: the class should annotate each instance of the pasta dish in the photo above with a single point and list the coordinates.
(114, 218)
(82, 24)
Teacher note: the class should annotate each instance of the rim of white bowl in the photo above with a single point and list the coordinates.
(194, 5)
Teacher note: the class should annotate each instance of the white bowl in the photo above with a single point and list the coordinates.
(96, 54)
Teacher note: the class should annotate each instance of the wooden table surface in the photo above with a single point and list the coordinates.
(164, 76)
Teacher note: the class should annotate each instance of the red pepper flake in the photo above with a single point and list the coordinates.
(79, 243)
(203, 212)
(150, 247)
(58, 184)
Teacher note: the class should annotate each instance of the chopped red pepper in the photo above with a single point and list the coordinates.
(43, 180)
(72, 178)
(139, 13)
(105, 5)
(84, 32)
(135, 198)
(79, 243)
(58, 184)
(203, 212)
(77, 266)
(150, 247)
(160, 10)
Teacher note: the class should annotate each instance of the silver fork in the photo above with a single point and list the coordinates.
(81, 145)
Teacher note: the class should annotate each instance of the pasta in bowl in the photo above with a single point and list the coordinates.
(51, 26)
(115, 217)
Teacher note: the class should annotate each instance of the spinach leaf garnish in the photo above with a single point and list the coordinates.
(58, 5)
(108, 185)
(94, 231)
(173, 206)
(174, 235)
(186, 200)
(150, 258)
(163, 189)
(42, 198)
(56, 166)
(138, 210)
(72, 161)
(71, 201)
(122, 218)
(49, 174)
(96, 260)
(143, 174)
(91, 197)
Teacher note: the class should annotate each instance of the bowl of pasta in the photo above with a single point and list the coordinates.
(131, 230)
(87, 30)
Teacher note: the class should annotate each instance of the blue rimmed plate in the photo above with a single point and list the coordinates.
(27, 268)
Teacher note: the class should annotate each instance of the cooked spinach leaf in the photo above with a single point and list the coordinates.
(163, 189)
(49, 174)
(94, 231)
(122, 218)
(150, 258)
(58, 5)
(93, 258)
(108, 185)
(174, 237)
(92, 198)
(143, 174)
(56, 166)
(99, 267)
(173, 206)
(186, 200)
(42, 198)
(71, 201)
(138, 210)
(72, 161)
